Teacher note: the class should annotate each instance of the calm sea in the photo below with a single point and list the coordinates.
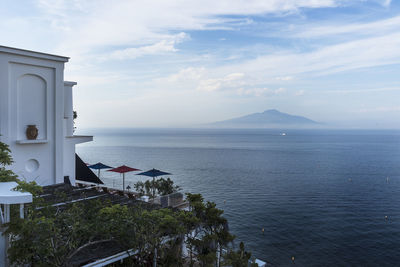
(325, 197)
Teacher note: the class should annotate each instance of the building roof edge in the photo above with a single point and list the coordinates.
(70, 83)
(30, 53)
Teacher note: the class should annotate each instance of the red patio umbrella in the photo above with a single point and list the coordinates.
(123, 169)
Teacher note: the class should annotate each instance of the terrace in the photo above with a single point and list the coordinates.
(61, 196)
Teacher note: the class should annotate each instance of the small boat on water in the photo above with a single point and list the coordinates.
(283, 134)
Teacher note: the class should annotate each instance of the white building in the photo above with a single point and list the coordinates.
(33, 92)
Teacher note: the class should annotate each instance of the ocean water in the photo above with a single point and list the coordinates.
(325, 197)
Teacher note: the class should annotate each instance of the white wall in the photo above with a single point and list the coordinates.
(31, 108)
(32, 91)
(32, 94)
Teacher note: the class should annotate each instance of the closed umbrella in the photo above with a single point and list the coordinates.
(123, 169)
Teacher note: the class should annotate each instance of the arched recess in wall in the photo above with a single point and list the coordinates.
(32, 104)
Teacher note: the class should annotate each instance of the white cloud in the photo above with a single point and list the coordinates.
(280, 90)
(267, 69)
(379, 109)
(135, 52)
(260, 73)
(362, 53)
(284, 78)
(187, 74)
(364, 90)
(232, 80)
(386, 3)
(157, 48)
(377, 28)
(260, 91)
(97, 23)
(201, 79)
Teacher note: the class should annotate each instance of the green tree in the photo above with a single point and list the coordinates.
(50, 236)
(6, 160)
(161, 186)
(159, 226)
(190, 224)
(166, 186)
(239, 258)
(212, 234)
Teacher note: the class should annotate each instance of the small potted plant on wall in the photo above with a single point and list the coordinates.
(75, 116)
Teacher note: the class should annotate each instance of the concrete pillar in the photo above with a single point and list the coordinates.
(68, 108)
(3, 249)
(4, 238)
(6, 213)
(21, 211)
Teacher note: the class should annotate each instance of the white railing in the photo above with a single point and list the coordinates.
(174, 200)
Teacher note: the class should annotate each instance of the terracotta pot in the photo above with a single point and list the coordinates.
(32, 132)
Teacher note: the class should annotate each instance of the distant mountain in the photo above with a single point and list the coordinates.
(268, 119)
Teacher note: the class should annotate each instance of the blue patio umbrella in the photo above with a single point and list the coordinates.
(98, 166)
(154, 173)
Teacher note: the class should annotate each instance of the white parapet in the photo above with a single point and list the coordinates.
(261, 263)
(8, 196)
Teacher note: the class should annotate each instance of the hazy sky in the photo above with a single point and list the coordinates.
(182, 62)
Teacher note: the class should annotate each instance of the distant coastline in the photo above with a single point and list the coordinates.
(268, 119)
